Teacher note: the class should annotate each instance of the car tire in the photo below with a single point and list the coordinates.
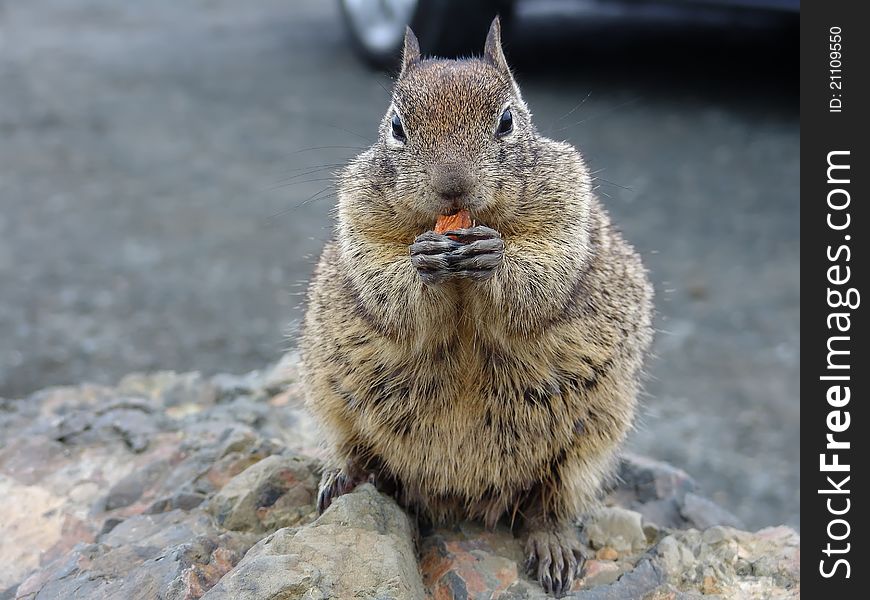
(447, 28)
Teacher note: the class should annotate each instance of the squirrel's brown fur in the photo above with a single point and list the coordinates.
(505, 395)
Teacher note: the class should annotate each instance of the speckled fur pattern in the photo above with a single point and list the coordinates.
(506, 398)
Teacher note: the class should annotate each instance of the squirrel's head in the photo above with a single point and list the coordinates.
(457, 134)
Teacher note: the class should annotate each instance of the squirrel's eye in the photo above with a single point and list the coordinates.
(505, 123)
(398, 130)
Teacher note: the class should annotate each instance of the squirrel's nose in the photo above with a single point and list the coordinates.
(452, 182)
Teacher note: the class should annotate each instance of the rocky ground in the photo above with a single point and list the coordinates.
(178, 486)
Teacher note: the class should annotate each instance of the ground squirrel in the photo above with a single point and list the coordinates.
(489, 374)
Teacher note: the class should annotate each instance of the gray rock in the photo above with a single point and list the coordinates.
(159, 530)
(703, 513)
(278, 491)
(655, 489)
(181, 500)
(617, 528)
(132, 425)
(133, 486)
(180, 571)
(229, 387)
(734, 563)
(170, 389)
(362, 547)
(674, 555)
(644, 579)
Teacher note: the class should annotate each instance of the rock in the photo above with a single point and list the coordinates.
(278, 491)
(666, 496)
(733, 563)
(230, 387)
(703, 513)
(181, 571)
(654, 489)
(283, 375)
(607, 553)
(134, 486)
(77, 462)
(168, 389)
(32, 524)
(616, 528)
(362, 547)
(469, 561)
(180, 487)
(601, 573)
(674, 555)
(128, 420)
(646, 578)
(182, 500)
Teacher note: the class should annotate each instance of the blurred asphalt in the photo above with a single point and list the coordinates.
(156, 158)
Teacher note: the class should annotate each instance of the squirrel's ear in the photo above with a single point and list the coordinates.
(411, 51)
(492, 52)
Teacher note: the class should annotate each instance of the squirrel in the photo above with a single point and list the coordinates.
(491, 372)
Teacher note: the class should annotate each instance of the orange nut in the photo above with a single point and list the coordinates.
(460, 220)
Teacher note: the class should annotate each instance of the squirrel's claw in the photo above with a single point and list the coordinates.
(432, 267)
(480, 256)
(555, 558)
(429, 255)
(334, 483)
(472, 234)
(426, 245)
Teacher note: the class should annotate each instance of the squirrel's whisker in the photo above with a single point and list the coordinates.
(614, 184)
(300, 182)
(603, 113)
(313, 148)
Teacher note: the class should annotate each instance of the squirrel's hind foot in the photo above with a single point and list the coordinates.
(555, 558)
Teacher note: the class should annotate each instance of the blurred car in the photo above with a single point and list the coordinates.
(456, 27)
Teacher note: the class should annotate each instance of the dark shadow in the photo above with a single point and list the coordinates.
(748, 58)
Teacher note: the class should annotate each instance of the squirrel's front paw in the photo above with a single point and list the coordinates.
(474, 253)
(430, 255)
(479, 254)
